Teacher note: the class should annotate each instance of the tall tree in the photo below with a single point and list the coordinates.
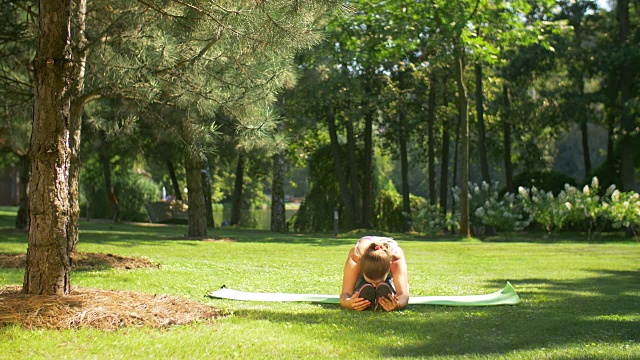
(444, 168)
(278, 210)
(482, 137)
(627, 121)
(47, 265)
(236, 206)
(431, 119)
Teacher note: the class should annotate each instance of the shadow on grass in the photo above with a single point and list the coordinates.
(554, 314)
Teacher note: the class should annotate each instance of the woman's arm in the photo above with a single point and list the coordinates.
(348, 299)
(401, 282)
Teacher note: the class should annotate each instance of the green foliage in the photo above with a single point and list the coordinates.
(624, 209)
(584, 208)
(430, 219)
(389, 214)
(545, 209)
(316, 211)
(323, 196)
(503, 214)
(132, 190)
(547, 180)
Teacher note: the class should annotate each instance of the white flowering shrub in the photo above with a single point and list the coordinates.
(574, 207)
(545, 209)
(489, 209)
(478, 196)
(429, 219)
(504, 214)
(585, 207)
(624, 209)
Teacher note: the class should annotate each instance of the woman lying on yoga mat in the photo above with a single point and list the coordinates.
(375, 276)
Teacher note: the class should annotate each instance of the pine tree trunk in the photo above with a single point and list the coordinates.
(431, 119)
(236, 207)
(47, 265)
(482, 137)
(367, 184)
(206, 188)
(465, 229)
(506, 126)
(22, 219)
(353, 175)
(196, 211)
(75, 125)
(105, 159)
(74, 175)
(174, 181)
(278, 210)
(628, 169)
(345, 194)
(444, 168)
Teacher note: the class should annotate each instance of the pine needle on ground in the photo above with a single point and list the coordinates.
(84, 261)
(100, 309)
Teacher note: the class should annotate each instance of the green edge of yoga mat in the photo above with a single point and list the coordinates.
(506, 296)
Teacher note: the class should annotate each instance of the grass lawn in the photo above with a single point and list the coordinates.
(578, 300)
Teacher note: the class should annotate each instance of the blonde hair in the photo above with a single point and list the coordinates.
(375, 262)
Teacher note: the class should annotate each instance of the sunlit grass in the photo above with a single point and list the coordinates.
(578, 300)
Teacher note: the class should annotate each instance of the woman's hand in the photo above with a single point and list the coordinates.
(389, 303)
(357, 303)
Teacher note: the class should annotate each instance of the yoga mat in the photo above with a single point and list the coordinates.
(506, 296)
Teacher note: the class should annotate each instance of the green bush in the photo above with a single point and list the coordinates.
(389, 210)
(132, 190)
(430, 219)
(547, 180)
(323, 196)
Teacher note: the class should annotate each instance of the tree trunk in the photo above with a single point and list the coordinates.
(174, 181)
(74, 174)
(431, 119)
(404, 163)
(105, 159)
(456, 148)
(367, 184)
(628, 169)
(444, 168)
(584, 131)
(206, 189)
(196, 211)
(47, 265)
(345, 194)
(506, 126)
(22, 219)
(75, 125)
(236, 207)
(610, 141)
(465, 229)
(406, 200)
(278, 210)
(353, 175)
(482, 137)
